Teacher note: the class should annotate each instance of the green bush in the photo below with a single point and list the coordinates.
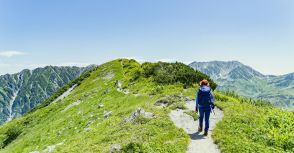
(11, 134)
(156, 90)
(170, 73)
(133, 148)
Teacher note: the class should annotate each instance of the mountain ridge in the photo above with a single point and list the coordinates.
(22, 91)
(245, 80)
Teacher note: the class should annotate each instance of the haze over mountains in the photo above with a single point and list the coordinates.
(235, 76)
(21, 92)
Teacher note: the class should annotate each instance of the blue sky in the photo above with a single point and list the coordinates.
(259, 33)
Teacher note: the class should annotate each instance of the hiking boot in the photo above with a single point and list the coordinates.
(199, 129)
(205, 133)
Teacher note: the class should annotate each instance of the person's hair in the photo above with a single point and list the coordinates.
(204, 83)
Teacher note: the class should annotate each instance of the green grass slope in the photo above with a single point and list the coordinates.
(77, 123)
(253, 126)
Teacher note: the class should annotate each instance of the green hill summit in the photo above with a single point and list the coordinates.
(124, 106)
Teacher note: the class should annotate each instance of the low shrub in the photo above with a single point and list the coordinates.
(133, 148)
(11, 134)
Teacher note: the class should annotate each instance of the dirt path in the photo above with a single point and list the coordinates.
(198, 143)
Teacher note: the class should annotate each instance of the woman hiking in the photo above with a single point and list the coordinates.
(205, 104)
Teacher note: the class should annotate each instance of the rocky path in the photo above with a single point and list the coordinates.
(198, 142)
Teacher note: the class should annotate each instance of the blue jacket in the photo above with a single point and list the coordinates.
(207, 89)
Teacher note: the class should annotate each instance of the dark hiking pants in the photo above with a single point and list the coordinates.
(204, 114)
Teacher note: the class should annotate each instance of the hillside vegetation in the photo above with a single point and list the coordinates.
(98, 115)
(253, 126)
(92, 117)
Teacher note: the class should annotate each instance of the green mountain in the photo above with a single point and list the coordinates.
(242, 79)
(123, 106)
(21, 92)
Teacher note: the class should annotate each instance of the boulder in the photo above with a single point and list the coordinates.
(106, 91)
(162, 103)
(118, 84)
(188, 99)
(87, 129)
(137, 113)
(115, 148)
(100, 106)
(107, 114)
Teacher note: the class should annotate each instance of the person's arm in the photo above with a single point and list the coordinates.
(212, 99)
(196, 107)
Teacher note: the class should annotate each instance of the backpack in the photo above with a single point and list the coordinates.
(204, 97)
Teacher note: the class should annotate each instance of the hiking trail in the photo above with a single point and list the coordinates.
(198, 142)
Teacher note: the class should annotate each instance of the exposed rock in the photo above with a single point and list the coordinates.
(80, 112)
(100, 106)
(107, 114)
(125, 91)
(90, 123)
(65, 94)
(137, 113)
(106, 91)
(34, 152)
(91, 115)
(137, 94)
(108, 76)
(170, 100)
(52, 147)
(87, 129)
(115, 148)
(119, 88)
(72, 105)
(118, 84)
(148, 115)
(60, 131)
(188, 99)
(162, 103)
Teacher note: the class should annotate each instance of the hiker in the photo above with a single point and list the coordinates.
(205, 104)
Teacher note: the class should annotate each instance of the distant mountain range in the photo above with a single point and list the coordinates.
(21, 92)
(235, 76)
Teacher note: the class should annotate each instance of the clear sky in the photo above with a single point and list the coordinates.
(259, 33)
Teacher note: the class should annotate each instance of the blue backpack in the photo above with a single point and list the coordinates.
(204, 97)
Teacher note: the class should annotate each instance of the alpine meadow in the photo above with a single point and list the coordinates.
(97, 115)
(148, 76)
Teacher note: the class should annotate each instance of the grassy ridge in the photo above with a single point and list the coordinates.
(77, 124)
(82, 128)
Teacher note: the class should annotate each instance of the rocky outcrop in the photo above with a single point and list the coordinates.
(115, 148)
(71, 105)
(107, 114)
(137, 113)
